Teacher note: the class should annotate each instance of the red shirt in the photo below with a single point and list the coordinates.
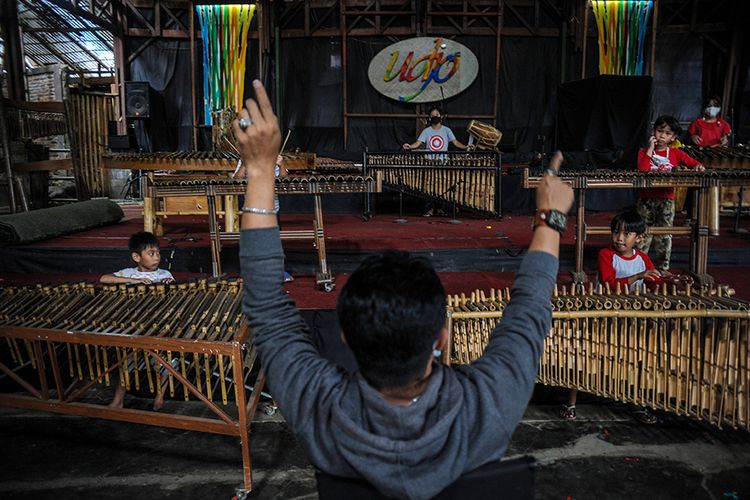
(709, 132)
(615, 268)
(664, 161)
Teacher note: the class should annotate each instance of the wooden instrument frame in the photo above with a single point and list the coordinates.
(64, 398)
(374, 168)
(625, 179)
(230, 189)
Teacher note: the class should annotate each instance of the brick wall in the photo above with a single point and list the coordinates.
(43, 84)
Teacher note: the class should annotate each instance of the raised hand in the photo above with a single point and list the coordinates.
(259, 141)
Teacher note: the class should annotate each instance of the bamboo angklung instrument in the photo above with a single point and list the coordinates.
(471, 180)
(679, 350)
(59, 342)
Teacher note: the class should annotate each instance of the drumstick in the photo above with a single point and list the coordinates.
(288, 133)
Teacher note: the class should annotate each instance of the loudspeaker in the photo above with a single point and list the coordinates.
(137, 100)
(121, 143)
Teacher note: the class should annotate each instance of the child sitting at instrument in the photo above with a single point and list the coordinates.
(656, 205)
(624, 265)
(144, 250)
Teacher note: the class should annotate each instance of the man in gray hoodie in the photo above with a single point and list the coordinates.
(406, 423)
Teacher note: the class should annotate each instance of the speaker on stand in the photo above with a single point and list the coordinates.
(137, 110)
(137, 100)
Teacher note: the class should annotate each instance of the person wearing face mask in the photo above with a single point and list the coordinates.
(710, 130)
(437, 136)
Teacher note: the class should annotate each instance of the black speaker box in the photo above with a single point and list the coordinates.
(137, 100)
(121, 143)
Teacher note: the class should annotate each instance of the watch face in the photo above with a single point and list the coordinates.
(557, 217)
(557, 220)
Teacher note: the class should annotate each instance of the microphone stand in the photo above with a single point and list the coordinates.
(401, 219)
(454, 207)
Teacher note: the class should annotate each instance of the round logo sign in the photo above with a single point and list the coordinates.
(423, 69)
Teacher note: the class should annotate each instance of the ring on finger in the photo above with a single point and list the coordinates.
(244, 123)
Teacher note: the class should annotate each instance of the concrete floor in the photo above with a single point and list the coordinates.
(604, 454)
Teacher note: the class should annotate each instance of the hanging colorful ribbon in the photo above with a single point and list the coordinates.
(622, 26)
(224, 31)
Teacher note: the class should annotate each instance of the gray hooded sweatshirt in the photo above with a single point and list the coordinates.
(463, 420)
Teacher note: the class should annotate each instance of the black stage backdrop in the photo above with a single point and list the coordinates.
(311, 75)
(613, 114)
(602, 122)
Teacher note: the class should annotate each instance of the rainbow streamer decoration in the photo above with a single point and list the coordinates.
(622, 32)
(224, 32)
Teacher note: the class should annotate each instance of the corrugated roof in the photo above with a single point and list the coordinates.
(52, 35)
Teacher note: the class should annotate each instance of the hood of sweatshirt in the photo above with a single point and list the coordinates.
(405, 451)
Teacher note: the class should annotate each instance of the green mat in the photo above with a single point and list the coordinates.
(46, 223)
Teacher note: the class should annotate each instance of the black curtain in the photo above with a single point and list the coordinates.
(165, 65)
(602, 122)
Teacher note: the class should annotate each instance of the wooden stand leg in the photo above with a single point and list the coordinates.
(324, 277)
(579, 275)
(699, 241)
(214, 234)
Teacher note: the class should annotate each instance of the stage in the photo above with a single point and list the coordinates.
(476, 253)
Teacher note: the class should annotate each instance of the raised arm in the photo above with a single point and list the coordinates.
(507, 370)
(296, 372)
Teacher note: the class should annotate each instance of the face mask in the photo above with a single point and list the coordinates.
(713, 111)
(434, 120)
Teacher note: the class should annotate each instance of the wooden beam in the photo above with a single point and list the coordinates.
(137, 14)
(41, 107)
(172, 16)
(13, 56)
(44, 166)
(140, 49)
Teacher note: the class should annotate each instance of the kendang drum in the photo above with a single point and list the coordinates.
(486, 135)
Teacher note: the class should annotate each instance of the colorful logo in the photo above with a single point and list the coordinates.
(423, 69)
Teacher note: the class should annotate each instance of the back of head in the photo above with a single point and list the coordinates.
(391, 311)
(629, 222)
(141, 241)
(670, 121)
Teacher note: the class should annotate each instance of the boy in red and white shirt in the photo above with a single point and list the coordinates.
(624, 264)
(656, 205)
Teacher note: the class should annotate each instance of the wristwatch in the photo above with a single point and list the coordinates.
(552, 218)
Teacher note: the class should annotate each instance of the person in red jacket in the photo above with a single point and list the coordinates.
(656, 205)
(710, 130)
(623, 264)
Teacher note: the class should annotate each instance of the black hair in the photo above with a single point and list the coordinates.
(434, 108)
(391, 312)
(142, 240)
(670, 121)
(630, 222)
(710, 98)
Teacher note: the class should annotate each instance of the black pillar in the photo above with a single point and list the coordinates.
(13, 49)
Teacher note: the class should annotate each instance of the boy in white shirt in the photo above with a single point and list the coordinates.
(144, 250)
